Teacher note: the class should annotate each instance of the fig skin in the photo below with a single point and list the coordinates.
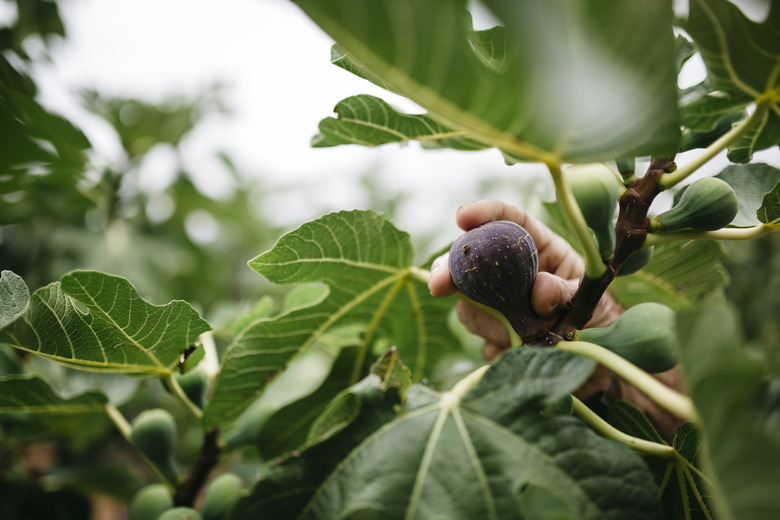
(496, 264)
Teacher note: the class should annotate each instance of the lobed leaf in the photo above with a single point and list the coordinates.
(463, 456)
(366, 265)
(370, 121)
(742, 58)
(33, 395)
(95, 321)
(552, 84)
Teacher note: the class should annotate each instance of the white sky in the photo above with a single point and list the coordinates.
(280, 84)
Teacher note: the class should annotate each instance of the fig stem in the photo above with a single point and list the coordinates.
(747, 233)
(637, 444)
(178, 392)
(671, 400)
(594, 265)
(730, 137)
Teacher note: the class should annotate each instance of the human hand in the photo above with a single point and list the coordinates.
(560, 269)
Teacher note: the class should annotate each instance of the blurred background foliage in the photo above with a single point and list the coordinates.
(63, 208)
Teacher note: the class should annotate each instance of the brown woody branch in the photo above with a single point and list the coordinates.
(631, 231)
(208, 457)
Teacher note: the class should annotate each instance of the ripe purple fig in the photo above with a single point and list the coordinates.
(496, 264)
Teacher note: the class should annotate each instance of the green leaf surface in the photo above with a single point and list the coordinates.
(464, 455)
(370, 121)
(288, 428)
(366, 263)
(742, 58)
(680, 275)
(34, 395)
(728, 384)
(552, 85)
(14, 297)
(754, 184)
(95, 321)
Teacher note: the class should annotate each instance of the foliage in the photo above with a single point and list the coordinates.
(331, 402)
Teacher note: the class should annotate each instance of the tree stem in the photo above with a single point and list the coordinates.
(208, 457)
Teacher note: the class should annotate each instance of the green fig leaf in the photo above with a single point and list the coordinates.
(742, 58)
(550, 84)
(95, 321)
(366, 264)
(463, 455)
(370, 121)
(34, 395)
(680, 275)
(756, 187)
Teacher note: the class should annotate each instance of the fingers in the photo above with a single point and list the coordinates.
(555, 254)
(550, 294)
(439, 282)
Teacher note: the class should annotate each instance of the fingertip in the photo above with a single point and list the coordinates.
(439, 281)
(474, 214)
(549, 294)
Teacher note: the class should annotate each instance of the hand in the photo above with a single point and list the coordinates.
(560, 269)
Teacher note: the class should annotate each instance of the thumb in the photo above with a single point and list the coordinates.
(550, 294)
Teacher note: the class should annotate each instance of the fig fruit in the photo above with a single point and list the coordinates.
(496, 264)
(596, 190)
(221, 494)
(645, 335)
(150, 502)
(154, 435)
(636, 261)
(706, 205)
(180, 513)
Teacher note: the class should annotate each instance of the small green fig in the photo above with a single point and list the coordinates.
(645, 335)
(496, 264)
(154, 435)
(706, 205)
(180, 513)
(636, 261)
(150, 502)
(221, 494)
(595, 187)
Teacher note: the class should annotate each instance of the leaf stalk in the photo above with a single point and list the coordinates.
(730, 137)
(747, 233)
(671, 400)
(642, 446)
(594, 265)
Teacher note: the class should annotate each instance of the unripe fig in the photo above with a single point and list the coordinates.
(636, 261)
(706, 205)
(496, 264)
(596, 190)
(150, 502)
(645, 335)
(180, 513)
(221, 494)
(154, 435)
